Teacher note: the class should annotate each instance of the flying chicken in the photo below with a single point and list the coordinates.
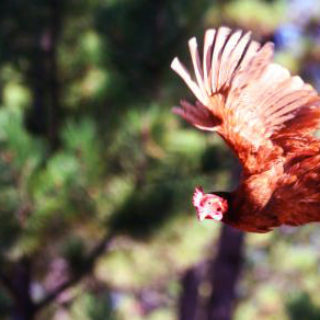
(267, 117)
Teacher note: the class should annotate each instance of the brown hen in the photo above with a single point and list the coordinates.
(267, 117)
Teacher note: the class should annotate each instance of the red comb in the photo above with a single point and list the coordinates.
(197, 196)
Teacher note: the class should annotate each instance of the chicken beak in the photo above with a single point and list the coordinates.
(217, 216)
(202, 215)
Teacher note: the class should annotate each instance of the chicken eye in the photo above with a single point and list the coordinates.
(219, 209)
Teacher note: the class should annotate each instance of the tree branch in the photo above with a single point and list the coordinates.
(89, 262)
(6, 282)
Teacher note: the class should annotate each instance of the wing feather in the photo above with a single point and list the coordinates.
(290, 104)
(237, 55)
(252, 101)
(220, 40)
(225, 65)
(207, 53)
(193, 47)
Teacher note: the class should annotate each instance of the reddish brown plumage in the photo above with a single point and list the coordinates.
(267, 117)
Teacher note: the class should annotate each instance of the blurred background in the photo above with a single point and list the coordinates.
(96, 174)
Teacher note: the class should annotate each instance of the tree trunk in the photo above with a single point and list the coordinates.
(23, 308)
(189, 299)
(53, 83)
(44, 117)
(225, 274)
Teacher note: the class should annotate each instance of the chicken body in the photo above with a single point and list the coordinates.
(287, 194)
(267, 118)
(296, 199)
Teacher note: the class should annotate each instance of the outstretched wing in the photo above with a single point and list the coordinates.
(250, 101)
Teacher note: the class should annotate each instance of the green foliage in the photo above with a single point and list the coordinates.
(144, 211)
(256, 14)
(94, 307)
(73, 250)
(301, 307)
